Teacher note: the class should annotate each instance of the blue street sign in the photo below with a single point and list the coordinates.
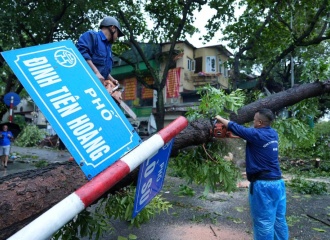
(16, 98)
(151, 177)
(75, 103)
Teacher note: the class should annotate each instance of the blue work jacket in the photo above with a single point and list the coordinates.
(95, 46)
(261, 150)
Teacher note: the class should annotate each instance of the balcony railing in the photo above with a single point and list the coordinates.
(201, 79)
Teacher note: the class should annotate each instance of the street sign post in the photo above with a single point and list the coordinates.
(11, 99)
(81, 111)
(151, 177)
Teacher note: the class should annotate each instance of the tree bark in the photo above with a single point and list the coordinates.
(26, 195)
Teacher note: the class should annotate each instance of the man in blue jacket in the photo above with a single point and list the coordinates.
(5, 137)
(96, 48)
(267, 195)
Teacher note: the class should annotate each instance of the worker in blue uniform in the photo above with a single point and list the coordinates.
(96, 48)
(267, 194)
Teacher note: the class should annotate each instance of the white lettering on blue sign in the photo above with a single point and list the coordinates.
(105, 113)
(88, 137)
(151, 177)
(43, 73)
(66, 104)
(146, 190)
(160, 172)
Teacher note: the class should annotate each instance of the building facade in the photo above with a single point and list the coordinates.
(190, 69)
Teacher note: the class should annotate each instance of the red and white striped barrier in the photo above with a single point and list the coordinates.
(11, 109)
(51, 221)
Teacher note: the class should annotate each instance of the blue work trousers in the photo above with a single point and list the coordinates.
(268, 209)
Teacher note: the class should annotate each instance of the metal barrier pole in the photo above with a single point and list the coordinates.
(11, 109)
(51, 221)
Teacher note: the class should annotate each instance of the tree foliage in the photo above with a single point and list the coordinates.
(268, 33)
(216, 101)
(30, 136)
(95, 221)
(205, 165)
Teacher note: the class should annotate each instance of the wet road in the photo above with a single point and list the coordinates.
(25, 159)
(14, 167)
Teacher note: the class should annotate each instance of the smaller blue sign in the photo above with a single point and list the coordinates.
(151, 177)
(16, 99)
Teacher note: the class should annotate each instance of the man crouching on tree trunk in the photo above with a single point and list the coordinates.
(267, 196)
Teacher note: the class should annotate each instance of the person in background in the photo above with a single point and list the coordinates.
(267, 193)
(5, 138)
(96, 48)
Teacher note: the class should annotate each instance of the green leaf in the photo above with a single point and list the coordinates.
(123, 200)
(132, 237)
(121, 238)
(239, 209)
(319, 229)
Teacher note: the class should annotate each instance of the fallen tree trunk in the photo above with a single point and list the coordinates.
(198, 132)
(282, 99)
(26, 195)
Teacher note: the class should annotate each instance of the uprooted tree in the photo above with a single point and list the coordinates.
(26, 195)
